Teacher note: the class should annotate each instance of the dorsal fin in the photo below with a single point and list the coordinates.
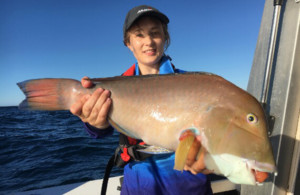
(116, 78)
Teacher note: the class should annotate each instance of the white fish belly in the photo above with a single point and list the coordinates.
(232, 167)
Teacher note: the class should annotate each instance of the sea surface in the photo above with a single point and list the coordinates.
(40, 149)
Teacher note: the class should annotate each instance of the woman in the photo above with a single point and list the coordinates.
(146, 35)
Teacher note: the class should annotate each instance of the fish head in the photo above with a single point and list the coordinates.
(234, 132)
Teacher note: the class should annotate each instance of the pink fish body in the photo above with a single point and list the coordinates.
(159, 108)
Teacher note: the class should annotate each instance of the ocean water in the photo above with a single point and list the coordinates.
(41, 149)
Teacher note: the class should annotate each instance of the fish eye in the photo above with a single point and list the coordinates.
(251, 118)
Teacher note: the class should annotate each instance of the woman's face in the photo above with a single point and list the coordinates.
(146, 41)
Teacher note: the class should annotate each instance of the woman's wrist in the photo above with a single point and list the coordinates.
(98, 132)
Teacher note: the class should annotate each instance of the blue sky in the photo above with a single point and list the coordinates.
(76, 38)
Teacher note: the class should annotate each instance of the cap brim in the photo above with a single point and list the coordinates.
(158, 15)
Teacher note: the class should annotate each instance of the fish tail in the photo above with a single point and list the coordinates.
(49, 94)
(186, 140)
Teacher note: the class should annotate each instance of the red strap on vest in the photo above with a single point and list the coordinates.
(132, 141)
(130, 71)
(125, 156)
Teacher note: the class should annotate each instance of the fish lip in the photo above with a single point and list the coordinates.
(253, 171)
(253, 166)
(250, 169)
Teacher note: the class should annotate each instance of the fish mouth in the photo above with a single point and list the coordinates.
(259, 176)
(260, 171)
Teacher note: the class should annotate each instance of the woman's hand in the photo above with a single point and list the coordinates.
(195, 159)
(93, 108)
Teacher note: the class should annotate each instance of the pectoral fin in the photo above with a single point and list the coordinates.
(186, 140)
(155, 150)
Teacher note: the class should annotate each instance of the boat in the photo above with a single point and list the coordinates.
(93, 187)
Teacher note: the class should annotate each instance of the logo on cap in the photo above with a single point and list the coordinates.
(144, 10)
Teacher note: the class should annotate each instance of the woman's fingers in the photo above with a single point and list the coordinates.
(98, 111)
(193, 152)
(102, 116)
(89, 105)
(195, 159)
(85, 82)
(199, 165)
(93, 108)
(76, 108)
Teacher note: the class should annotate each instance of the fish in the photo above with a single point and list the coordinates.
(170, 111)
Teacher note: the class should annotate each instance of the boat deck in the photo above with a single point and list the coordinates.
(94, 187)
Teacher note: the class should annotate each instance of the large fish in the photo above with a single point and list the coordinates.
(163, 109)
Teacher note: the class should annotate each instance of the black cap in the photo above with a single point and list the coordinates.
(142, 10)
